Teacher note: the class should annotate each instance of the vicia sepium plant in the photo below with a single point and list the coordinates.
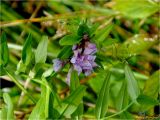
(82, 53)
(61, 67)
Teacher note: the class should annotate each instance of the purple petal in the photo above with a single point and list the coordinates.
(74, 47)
(87, 65)
(91, 45)
(69, 76)
(90, 48)
(77, 52)
(73, 60)
(57, 65)
(94, 64)
(90, 57)
(78, 68)
(89, 51)
(87, 72)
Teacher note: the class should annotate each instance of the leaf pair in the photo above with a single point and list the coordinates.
(28, 55)
(103, 98)
(40, 52)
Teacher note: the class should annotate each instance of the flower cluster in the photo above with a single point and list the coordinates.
(83, 59)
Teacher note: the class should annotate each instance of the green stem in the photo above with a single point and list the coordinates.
(118, 112)
(19, 85)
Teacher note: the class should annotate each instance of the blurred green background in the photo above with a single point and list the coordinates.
(134, 37)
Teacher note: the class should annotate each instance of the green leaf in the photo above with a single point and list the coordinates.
(71, 103)
(132, 85)
(2, 71)
(74, 82)
(7, 111)
(4, 52)
(101, 35)
(122, 98)
(21, 67)
(27, 50)
(69, 40)
(41, 51)
(78, 112)
(136, 8)
(93, 29)
(109, 41)
(103, 98)
(83, 29)
(152, 85)
(146, 102)
(136, 45)
(97, 82)
(65, 53)
(41, 110)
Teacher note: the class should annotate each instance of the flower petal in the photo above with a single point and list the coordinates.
(73, 60)
(57, 64)
(87, 72)
(78, 68)
(69, 76)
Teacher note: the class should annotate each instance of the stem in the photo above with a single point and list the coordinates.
(25, 86)
(19, 85)
(119, 111)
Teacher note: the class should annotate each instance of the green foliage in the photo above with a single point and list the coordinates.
(69, 40)
(74, 82)
(122, 98)
(135, 45)
(4, 58)
(41, 110)
(103, 98)
(97, 82)
(126, 37)
(132, 85)
(146, 102)
(151, 87)
(7, 112)
(71, 103)
(83, 29)
(65, 53)
(41, 51)
(102, 34)
(136, 8)
(27, 50)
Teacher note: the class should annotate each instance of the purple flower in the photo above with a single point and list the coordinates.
(90, 48)
(58, 64)
(84, 62)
